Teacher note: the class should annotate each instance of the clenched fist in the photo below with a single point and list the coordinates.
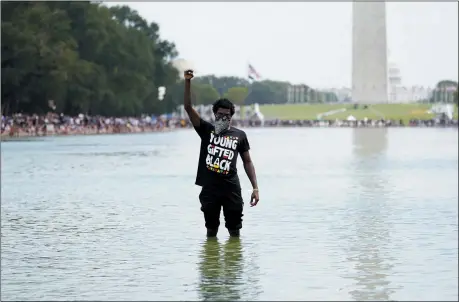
(188, 74)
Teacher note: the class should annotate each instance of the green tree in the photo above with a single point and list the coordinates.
(445, 92)
(278, 91)
(89, 58)
(38, 54)
(84, 56)
(222, 83)
(204, 94)
(446, 83)
(237, 95)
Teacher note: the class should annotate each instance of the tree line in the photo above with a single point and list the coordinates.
(82, 57)
(85, 57)
(206, 89)
(445, 91)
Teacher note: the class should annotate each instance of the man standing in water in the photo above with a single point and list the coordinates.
(217, 172)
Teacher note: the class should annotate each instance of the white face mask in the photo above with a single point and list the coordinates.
(221, 125)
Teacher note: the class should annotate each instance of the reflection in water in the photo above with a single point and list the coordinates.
(369, 148)
(369, 142)
(221, 269)
(100, 243)
(371, 239)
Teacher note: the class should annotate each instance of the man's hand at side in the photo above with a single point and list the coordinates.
(254, 198)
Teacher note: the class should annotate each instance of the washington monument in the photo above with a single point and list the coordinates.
(369, 53)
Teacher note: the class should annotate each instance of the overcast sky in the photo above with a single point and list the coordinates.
(305, 42)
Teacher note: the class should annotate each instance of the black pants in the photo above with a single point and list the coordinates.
(214, 199)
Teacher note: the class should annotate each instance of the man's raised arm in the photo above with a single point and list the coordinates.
(192, 114)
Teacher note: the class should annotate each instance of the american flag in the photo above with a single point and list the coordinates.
(253, 74)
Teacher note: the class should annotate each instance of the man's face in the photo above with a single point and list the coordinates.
(223, 114)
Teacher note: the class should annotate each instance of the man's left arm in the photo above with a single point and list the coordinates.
(250, 170)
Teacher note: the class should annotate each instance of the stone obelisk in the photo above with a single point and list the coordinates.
(369, 53)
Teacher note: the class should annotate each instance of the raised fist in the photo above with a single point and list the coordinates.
(188, 74)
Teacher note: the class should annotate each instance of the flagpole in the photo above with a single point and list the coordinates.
(252, 76)
(243, 103)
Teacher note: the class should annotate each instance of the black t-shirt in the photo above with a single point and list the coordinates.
(218, 156)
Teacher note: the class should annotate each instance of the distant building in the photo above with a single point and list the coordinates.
(298, 94)
(343, 94)
(395, 82)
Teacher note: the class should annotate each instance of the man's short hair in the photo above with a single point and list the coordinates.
(223, 103)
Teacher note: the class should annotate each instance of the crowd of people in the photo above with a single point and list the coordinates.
(354, 123)
(60, 124)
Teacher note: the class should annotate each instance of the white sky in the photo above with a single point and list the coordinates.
(305, 42)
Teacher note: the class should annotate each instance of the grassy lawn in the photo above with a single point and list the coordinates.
(389, 111)
(296, 111)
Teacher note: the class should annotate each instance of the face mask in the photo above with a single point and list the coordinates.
(221, 125)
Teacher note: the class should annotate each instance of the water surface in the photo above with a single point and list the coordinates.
(354, 214)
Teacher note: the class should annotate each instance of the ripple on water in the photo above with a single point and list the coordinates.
(366, 215)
